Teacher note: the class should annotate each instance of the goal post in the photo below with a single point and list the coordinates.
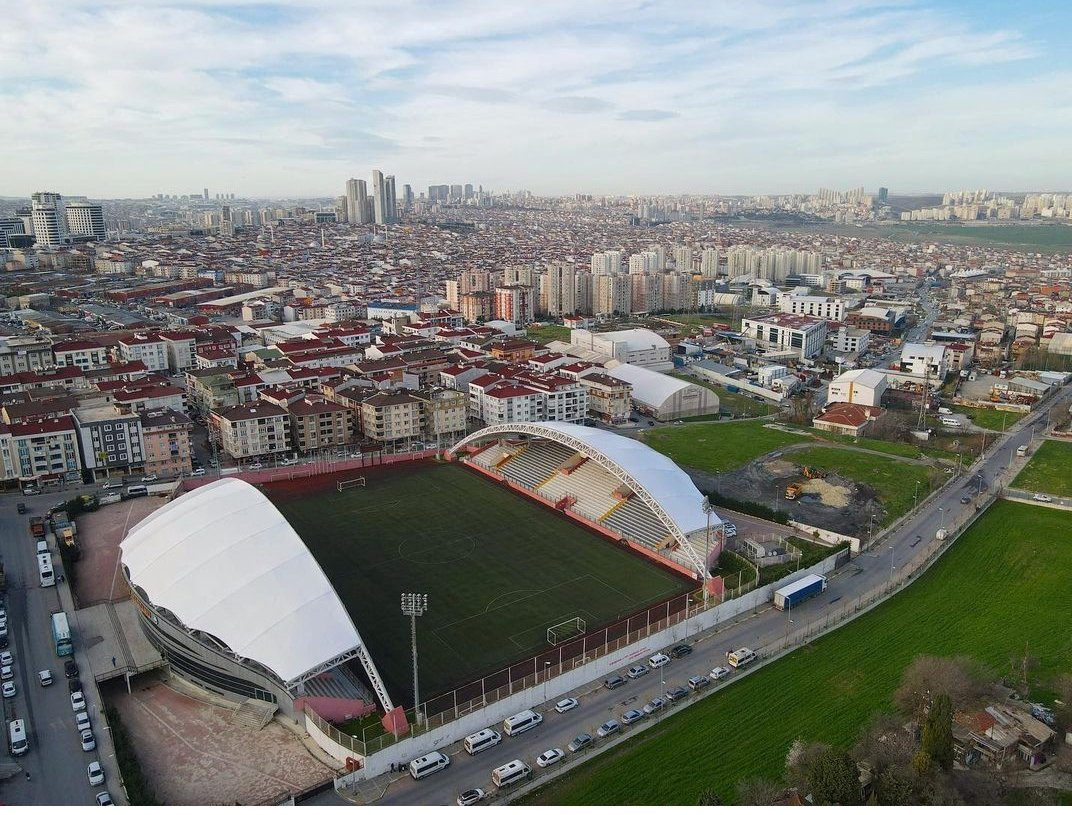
(566, 630)
(350, 482)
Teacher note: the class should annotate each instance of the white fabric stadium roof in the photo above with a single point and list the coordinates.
(224, 561)
(665, 481)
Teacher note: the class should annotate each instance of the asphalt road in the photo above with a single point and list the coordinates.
(862, 575)
(56, 762)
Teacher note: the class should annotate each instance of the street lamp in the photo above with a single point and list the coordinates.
(891, 563)
(546, 675)
(941, 516)
(413, 606)
(870, 531)
(915, 498)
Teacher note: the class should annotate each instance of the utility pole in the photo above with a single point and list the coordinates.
(413, 606)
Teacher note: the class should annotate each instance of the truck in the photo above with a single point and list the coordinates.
(792, 492)
(941, 534)
(791, 596)
(37, 527)
(944, 411)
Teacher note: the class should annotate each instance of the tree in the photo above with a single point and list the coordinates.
(799, 761)
(884, 743)
(960, 678)
(1062, 687)
(758, 792)
(834, 778)
(709, 798)
(894, 787)
(937, 741)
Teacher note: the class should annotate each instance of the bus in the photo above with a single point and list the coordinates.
(44, 566)
(61, 635)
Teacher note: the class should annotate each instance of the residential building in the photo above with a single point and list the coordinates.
(826, 308)
(445, 412)
(611, 295)
(109, 437)
(86, 354)
(609, 399)
(515, 304)
(43, 452)
(317, 423)
(147, 348)
(848, 340)
(253, 429)
(85, 220)
(49, 220)
(21, 354)
(924, 359)
(787, 332)
(875, 319)
(392, 417)
(846, 419)
(166, 442)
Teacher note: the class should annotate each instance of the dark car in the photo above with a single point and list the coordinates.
(74, 685)
(675, 694)
(21, 508)
(679, 651)
(70, 668)
(616, 681)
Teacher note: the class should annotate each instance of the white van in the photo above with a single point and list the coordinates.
(944, 411)
(137, 490)
(950, 422)
(427, 764)
(658, 660)
(742, 656)
(16, 731)
(482, 740)
(42, 547)
(520, 722)
(511, 773)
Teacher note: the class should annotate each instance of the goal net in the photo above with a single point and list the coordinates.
(350, 482)
(566, 630)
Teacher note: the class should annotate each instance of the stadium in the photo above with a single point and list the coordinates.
(533, 540)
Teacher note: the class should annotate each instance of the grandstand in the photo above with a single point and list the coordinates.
(619, 485)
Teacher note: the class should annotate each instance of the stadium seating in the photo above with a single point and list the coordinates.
(533, 466)
(638, 523)
(338, 683)
(590, 484)
(493, 456)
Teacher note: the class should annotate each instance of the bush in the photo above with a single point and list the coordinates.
(748, 507)
(137, 787)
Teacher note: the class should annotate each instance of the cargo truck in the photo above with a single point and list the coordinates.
(37, 527)
(792, 492)
(797, 592)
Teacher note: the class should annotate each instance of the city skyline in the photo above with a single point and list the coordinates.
(274, 100)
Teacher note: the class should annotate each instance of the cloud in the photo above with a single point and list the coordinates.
(646, 115)
(295, 96)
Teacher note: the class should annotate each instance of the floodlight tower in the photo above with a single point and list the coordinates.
(413, 606)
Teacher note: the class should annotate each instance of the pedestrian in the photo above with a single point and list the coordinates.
(113, 662)
(27, 775)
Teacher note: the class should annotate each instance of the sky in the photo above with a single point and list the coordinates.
(122, 99)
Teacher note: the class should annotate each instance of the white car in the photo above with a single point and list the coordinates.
(148, 479)
(549, 757)
(729, 529)
(470, 797)
(81, 720)
(6, 658)
(9, 690)
(637, 671)
(104, 800)
(45, 677)
(95, 773)
(197, 472)
(1045, 499)
(719, 672)
(566, 705)
(78, 701)
(7, 673)
(89, 744)
(256, 465)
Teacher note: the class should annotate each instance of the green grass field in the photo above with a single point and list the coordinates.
(718, 448)
(1003, 584)
(989, 418)
(1049, 471)
(548, 333)
(895, 481)
(738, 404)
(498, 570)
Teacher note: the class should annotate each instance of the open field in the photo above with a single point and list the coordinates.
(720, 447)
(1049, 471)
(498, 569)
(1015, 556)
(1043, 237)
(738, 404)
(989, 418)
(894, 481)
(548, 333)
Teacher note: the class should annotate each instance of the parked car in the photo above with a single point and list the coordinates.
(608, 728)
(613, 682)
(95, 773)
(682, 650)
(637, 671)
(658, 660)
(579, 743)
(729, 529)
(104, 800)
(655, 705)
(719, 671)
(256, 465)
(78, 701)
(698, 681)
(5, 656)
(197, 472)
(8, 690)
(470, 797)
(632, 716)
(1045, 499)
(21, 508)
(676, 694)
(148, 479)
(74, 685)
(549, 757)
(45, 678)
(81, 721)
(70, 668)
(89, 744)
(565, 705)
(965, 499)
(6, 673)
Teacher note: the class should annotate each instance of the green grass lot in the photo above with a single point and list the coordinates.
(547, 333)
(1043, 237)
(895, 448)
(1049, 471)
(989, 418)
(718, 448)
(498, 570)
(811, 553)
(1003, 584)
(895, 481)
(738, 404)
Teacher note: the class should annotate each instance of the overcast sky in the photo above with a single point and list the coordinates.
(115, 99)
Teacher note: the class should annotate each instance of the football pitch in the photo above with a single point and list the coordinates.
(497, 569)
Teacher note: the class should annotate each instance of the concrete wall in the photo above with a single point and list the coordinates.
(826, 535)
(746, 387)
(534, 697)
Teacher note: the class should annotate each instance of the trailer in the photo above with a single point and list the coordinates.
(797, 592)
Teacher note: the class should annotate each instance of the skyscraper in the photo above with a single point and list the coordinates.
(50, 220)
(392, 200)
(84, 218)
(383, 195)
(357, 209)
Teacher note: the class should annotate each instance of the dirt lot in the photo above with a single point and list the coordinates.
(192, 754)
(96, 575)
(832, 503)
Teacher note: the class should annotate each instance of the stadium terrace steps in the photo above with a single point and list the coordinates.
(337, 684)
(535, 464)
(254, 713)
(491, 457)
(638, 523)
(621, 502)
(590, 484)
